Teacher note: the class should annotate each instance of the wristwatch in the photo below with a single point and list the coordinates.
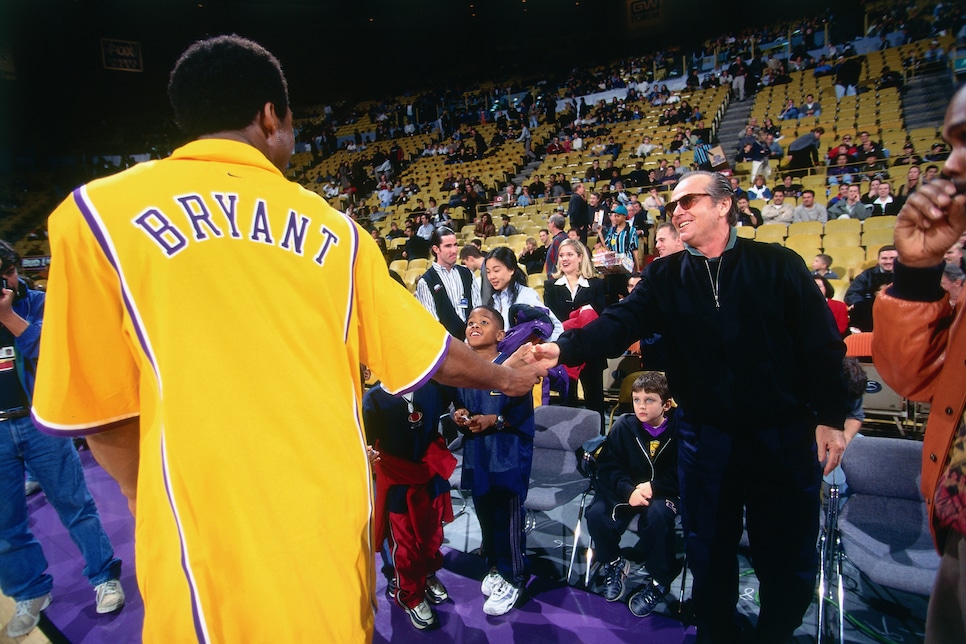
(500, 423)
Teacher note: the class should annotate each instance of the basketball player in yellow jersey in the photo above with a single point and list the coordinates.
(205, 323)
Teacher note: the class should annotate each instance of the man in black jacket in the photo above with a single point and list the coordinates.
(737, 316)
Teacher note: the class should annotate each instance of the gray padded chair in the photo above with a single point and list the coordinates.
(884, 525)
(554, 478)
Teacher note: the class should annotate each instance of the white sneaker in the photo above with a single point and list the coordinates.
(491, 581)
(27, 616)
(422, 616)
(502, 599)
(110, 596)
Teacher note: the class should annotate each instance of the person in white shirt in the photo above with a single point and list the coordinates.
(509, 283)
(777, 212)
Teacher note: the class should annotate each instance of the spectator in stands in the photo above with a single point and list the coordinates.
(594, 173)
(889, 78)
(506, 228)
(667, 240)
(873, 168)
(646, 147)
(426, 228)
(954, 256)
(821, 266)
(555, 232)
(653, 201)
(484, 226)
(885, 203)
(524, 199)
(739, 72)
(847, 73)
(804, 151)
(758, 189)
(792, 189)
(809, 209)
(534, 256)
(446, 289)
(908, 156)
(841, 172)
(937, 152)
(852, 207)
(772, 147)
(810, 107)
(867, 145)
(577, 213)
(933, 59)
(748, 216)
(510, 287)
(839, 310)
(873, 192)
(768, 127)
(736, 188)
(913, 181)
(866, 286)
(472, 258)
(841, 196)
(778, 211)
(932, 171)
(789, 112)
(952, 283)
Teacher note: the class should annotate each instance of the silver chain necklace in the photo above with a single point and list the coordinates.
(714, 281)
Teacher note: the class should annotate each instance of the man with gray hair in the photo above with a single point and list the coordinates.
(759, 461)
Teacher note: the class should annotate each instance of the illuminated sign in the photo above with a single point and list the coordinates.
(121, 55)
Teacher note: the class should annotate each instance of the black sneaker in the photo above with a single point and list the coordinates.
(615, 574)
(391, 588)
(643, 602)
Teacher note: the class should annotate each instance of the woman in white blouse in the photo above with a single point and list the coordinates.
(509, 283)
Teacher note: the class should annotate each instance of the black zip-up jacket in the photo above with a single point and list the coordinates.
(625, 461)
(751, 343)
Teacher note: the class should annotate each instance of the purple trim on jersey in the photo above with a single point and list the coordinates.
(195, 606)
(432, 370)
(53, 430)
(87, 210)
(354, 255)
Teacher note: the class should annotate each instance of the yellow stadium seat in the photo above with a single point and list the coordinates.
(878, 223)
(843, 226)
(771, 233)
(877, 237)
(805, 228)
(838, 240)
(748, 232)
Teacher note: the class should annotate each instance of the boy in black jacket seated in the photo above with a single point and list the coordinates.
(638, 476)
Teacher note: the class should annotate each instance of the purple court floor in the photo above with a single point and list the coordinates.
(554, 611)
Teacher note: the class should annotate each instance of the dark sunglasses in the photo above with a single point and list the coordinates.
(685, 201)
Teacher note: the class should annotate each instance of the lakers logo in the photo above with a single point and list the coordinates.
(653, 445)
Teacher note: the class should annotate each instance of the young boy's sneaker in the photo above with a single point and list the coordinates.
(435, 590)
(615, 576)
(110, 596)
(502, 599)
(422, 616)
(27, 616)
(491, 581)
(391, 588)
(643, 602)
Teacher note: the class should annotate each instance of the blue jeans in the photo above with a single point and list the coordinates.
(56, 466)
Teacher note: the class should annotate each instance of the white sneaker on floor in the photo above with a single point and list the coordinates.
(27, 616)
(422, 616)
(502, 599)
(491, 581)
(110, 596)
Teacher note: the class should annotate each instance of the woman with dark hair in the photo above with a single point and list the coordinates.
(509, 283)
(484, 227)
(839, 310)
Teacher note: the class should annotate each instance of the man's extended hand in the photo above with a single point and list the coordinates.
(831, 445)
(544, 356)
(930, 222)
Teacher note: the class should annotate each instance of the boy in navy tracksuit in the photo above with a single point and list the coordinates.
(638, 476)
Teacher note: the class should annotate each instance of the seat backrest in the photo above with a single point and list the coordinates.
(559, 432)
(881, 466)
